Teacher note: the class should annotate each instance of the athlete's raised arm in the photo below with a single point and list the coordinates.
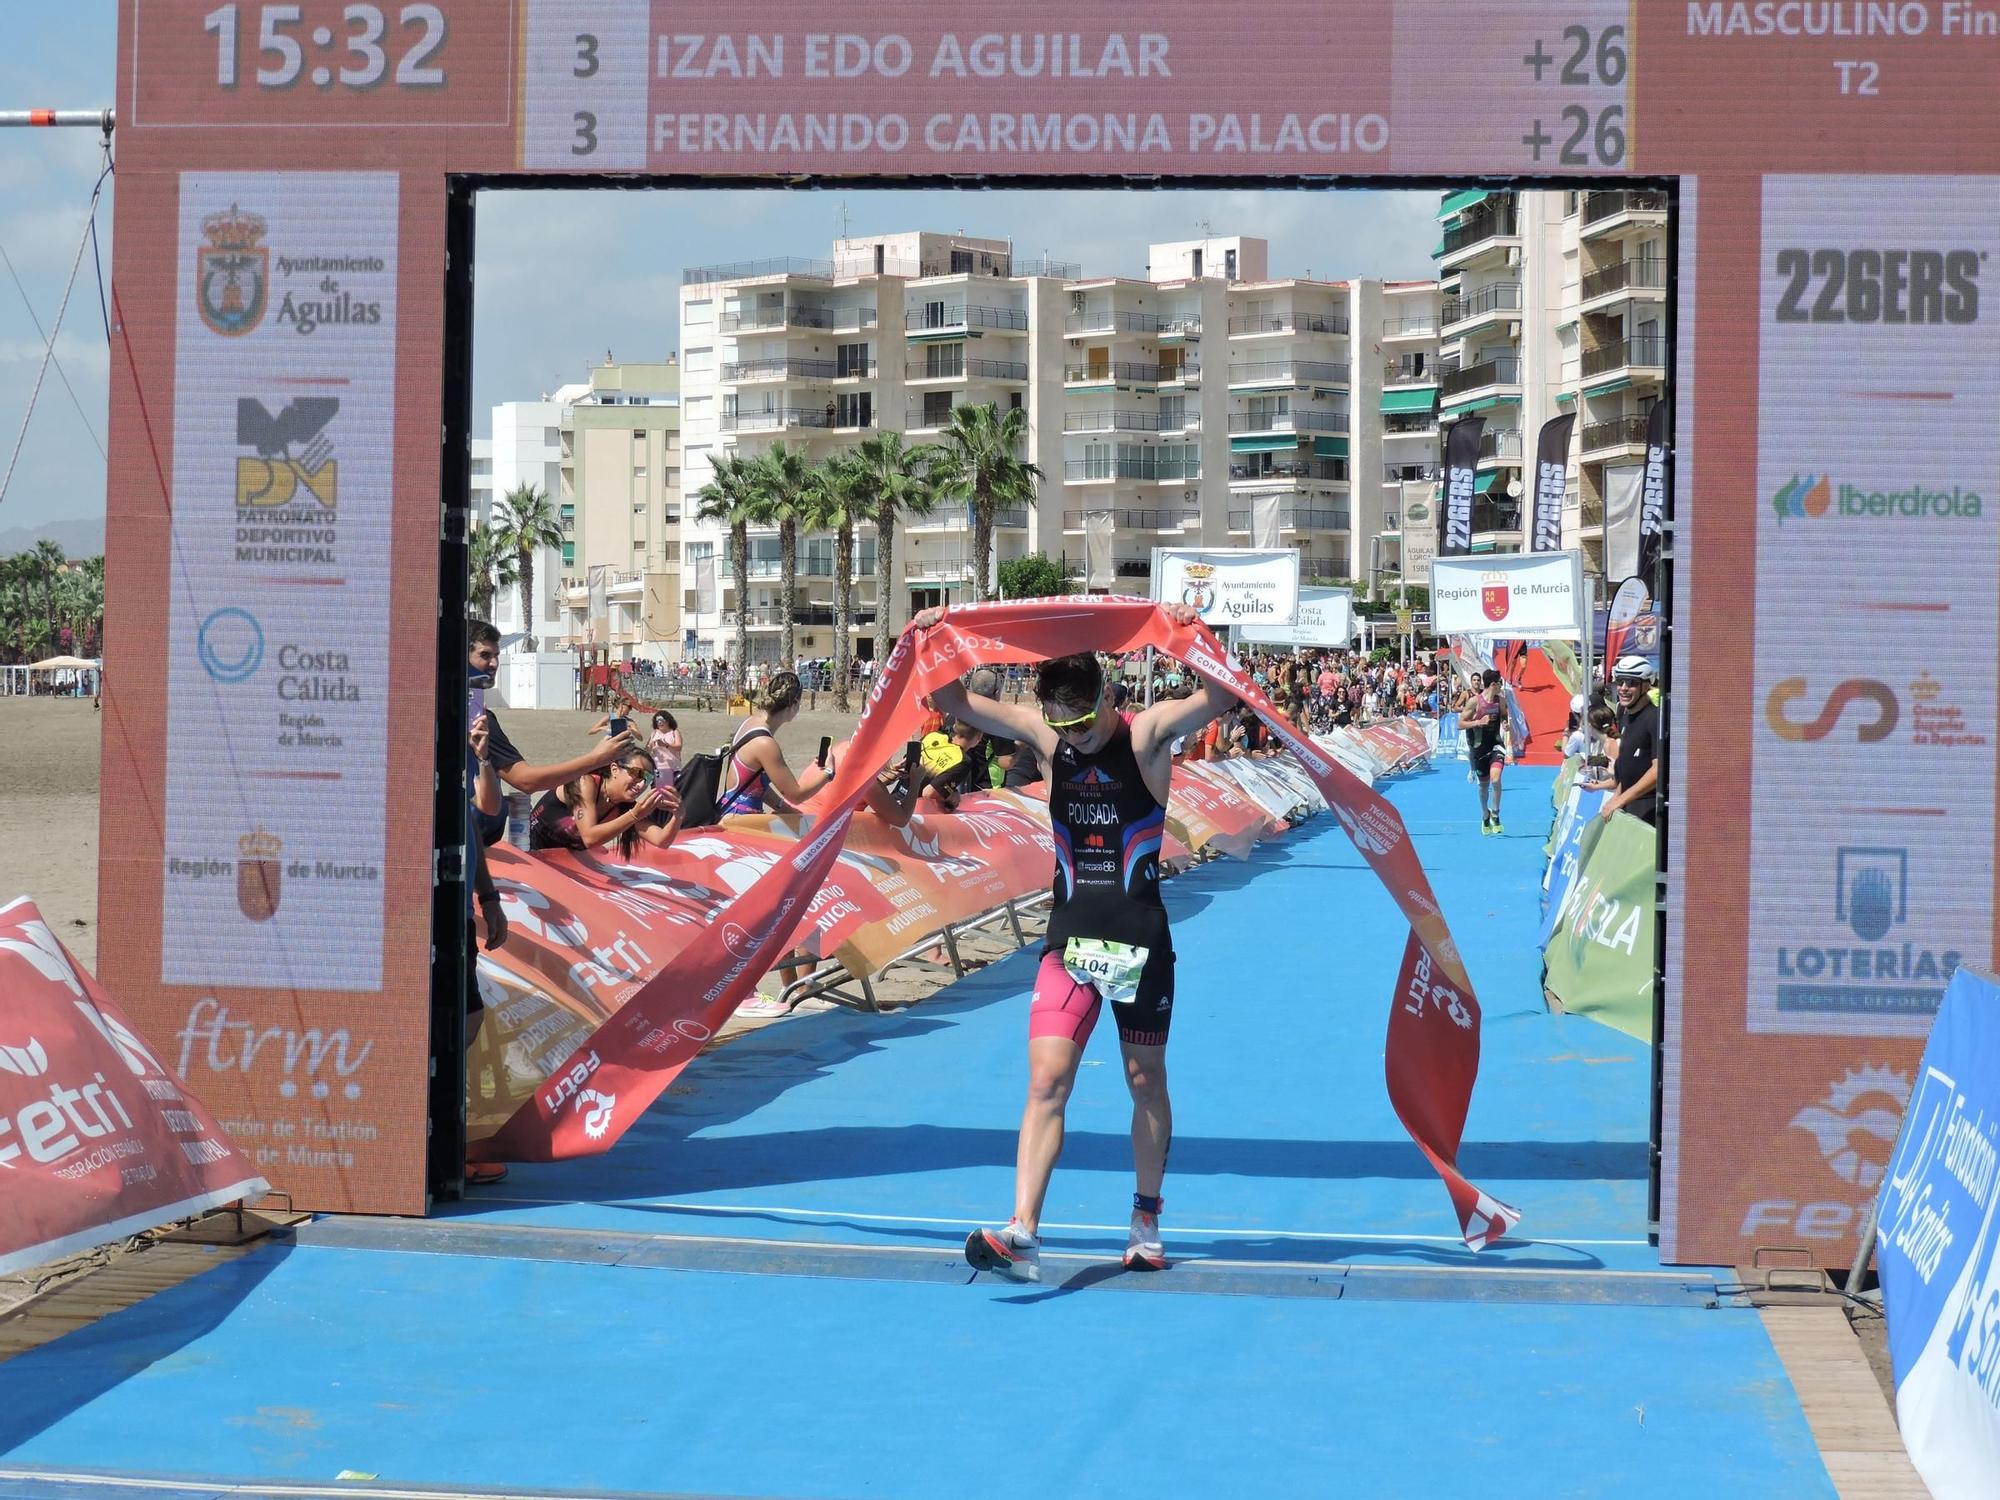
(1010, 721)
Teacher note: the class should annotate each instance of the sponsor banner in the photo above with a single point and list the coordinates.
(1325, 618)
(1461, 473)
(1231, 585)
(1432, 1053)
(1521, 595)
(1210, 812)
(277, 660)
(1551, 482)
(1580, 810)
(98, 1138)
(1937, 1241)
(1872, 749)
(1599, 952)
(1653, 499)
(1421, 508)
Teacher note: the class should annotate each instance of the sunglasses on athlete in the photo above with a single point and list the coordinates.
(1082, 722)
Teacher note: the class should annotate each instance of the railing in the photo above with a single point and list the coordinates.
(1620, 353)
(1299, 371)
(1110, 321)
(1504, 371)
(916, 419)
(1403, 426)
(1597, 206)
(963, 315)
(1180, 327)
(1136, 520)
(1503, 443)
(1295, 518)
(1311, 323)
(978, 369)
(1490, 225)
(928, 565)
(1289, 421)
(1121, 567)
(862, 369)
(1411, 473)
(1189, 420)
(746, 270)
(1495, 515)
(797, 315)
(1408, 328)
(1167, 469)
(1407, 372)
(778, 369)
(1618, 432)
(1112, 421)
(1187, 369)
(1501, 296)
(1644, 275)
(1132, 370)
(770, 421)
(1322, 470)
(865, 265)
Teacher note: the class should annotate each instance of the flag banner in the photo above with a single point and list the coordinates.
(1599, 951)
(1461, 473)
(704, 586)
(1653, 500)
(1938, 1245)
(1265, 523)
(1622, 486)
(98, 1138)
(1418, 527)
(1098, 570)
(1551, 482)
(1566, 664)
(1432, 1053)
(1277, 802)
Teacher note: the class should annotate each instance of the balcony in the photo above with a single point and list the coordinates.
(975, 369)
(1296, 518)
(1491, 514)
(1107, 320)
(1179, 327)
(1121, 372)
(777, 420)
(1409, 328)
(1151, 465)
(1409, 372)
(1251, 326)
(743, 372)
(1424, 425)
(1136, 520)
(945, 317)
(1411, 473)
(752, 270)
(1305, 471)
(934, 566)
(1501, 299)
(1121, 567)
(919, 418)
(1505, 371)
(1627, 276)
(1617, 434)
(1640, 354)
(804, 614)
(1500, 446)
(1113, 421)
(798, 315)
(1298, 373)
(1482, 232)
(1603, 212)
(958, 518)
(1288, 421)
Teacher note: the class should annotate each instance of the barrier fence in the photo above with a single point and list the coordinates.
(1597, 932)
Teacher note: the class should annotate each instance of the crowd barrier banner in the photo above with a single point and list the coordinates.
(98, 1138)
(1432, 1051)
(1209, 812)
(1938, 1243)
(1599, 951)
(1580, 811)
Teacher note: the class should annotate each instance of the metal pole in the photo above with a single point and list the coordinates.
(88, 119)
(1584, 655)
(1149, 677)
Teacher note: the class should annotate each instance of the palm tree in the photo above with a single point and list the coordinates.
(782, 477)
(890, 478)
(728, 497)
(49, 560)
(836, 501)
(493, 567)
(526, 521)
(983, 466)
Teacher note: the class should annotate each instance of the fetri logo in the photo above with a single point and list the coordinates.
(1787, 726)
(1854, 1126)
(1810, 497)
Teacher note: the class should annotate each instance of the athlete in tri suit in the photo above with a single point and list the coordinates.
(1485, 723)
(1107, 936)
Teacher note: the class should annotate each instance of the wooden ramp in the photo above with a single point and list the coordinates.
(1850, 1421)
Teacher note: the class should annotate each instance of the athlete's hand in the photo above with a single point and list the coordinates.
(1182, 614)
(927, 619)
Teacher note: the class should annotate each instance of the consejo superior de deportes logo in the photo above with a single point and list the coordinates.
(1813, 497)
(230, 644)
(1865, 691)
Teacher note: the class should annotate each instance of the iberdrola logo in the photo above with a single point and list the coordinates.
(1802, 497)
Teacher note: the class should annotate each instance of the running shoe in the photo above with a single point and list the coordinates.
(1497, 829)
(1485, 824)
(1143, 1250)
(1010, 1252)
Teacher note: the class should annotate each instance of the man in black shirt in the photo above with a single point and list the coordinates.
(1636, 771)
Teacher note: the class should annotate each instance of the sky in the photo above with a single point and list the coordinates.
(559, 284)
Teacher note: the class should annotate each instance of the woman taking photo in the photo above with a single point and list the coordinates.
(596, 808)
(756, 773)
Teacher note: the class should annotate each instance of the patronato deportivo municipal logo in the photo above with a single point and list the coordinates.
(1865, 691)
(290, 452)
(1854, 1126)
(1496, 598)
(1811, 497)
(232, 272)
(259, 870)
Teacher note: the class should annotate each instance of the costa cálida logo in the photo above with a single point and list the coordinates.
(259, 871)
(232, 272)
(1496, 599)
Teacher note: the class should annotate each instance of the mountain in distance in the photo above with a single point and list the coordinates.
(80, 536)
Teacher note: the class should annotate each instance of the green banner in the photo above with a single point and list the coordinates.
(1569, 671)
(1565, 779)
(1600, 956)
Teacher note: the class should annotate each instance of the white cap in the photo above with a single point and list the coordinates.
(1576, 704)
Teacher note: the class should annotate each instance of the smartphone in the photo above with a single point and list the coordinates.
(475, 705)
(618, 725)
(912, 753)
(825, 747)
(663, 780)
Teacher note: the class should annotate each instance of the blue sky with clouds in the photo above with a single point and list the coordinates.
(562, 278)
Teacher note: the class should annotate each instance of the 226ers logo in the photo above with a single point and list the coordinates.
(232, 272)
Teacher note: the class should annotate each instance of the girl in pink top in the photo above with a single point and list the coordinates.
(665, 744)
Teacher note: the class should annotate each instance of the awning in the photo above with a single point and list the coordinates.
(1485, 481)
(1460, 409)
(1438, 254)
(1565, 396)
(1459, 202)
(1279, 443)
(1604, 390)
(941, 335)
(1330, 447)
(1408, 403)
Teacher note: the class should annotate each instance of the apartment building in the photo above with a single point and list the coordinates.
(1208, 404)
(526, 449)
(1553, 301)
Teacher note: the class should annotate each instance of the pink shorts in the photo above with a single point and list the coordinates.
(1064, 1008)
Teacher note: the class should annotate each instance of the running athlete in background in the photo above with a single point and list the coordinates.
(1484, 722)
(1107, 937)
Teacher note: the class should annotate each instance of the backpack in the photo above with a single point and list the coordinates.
(699, 782)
